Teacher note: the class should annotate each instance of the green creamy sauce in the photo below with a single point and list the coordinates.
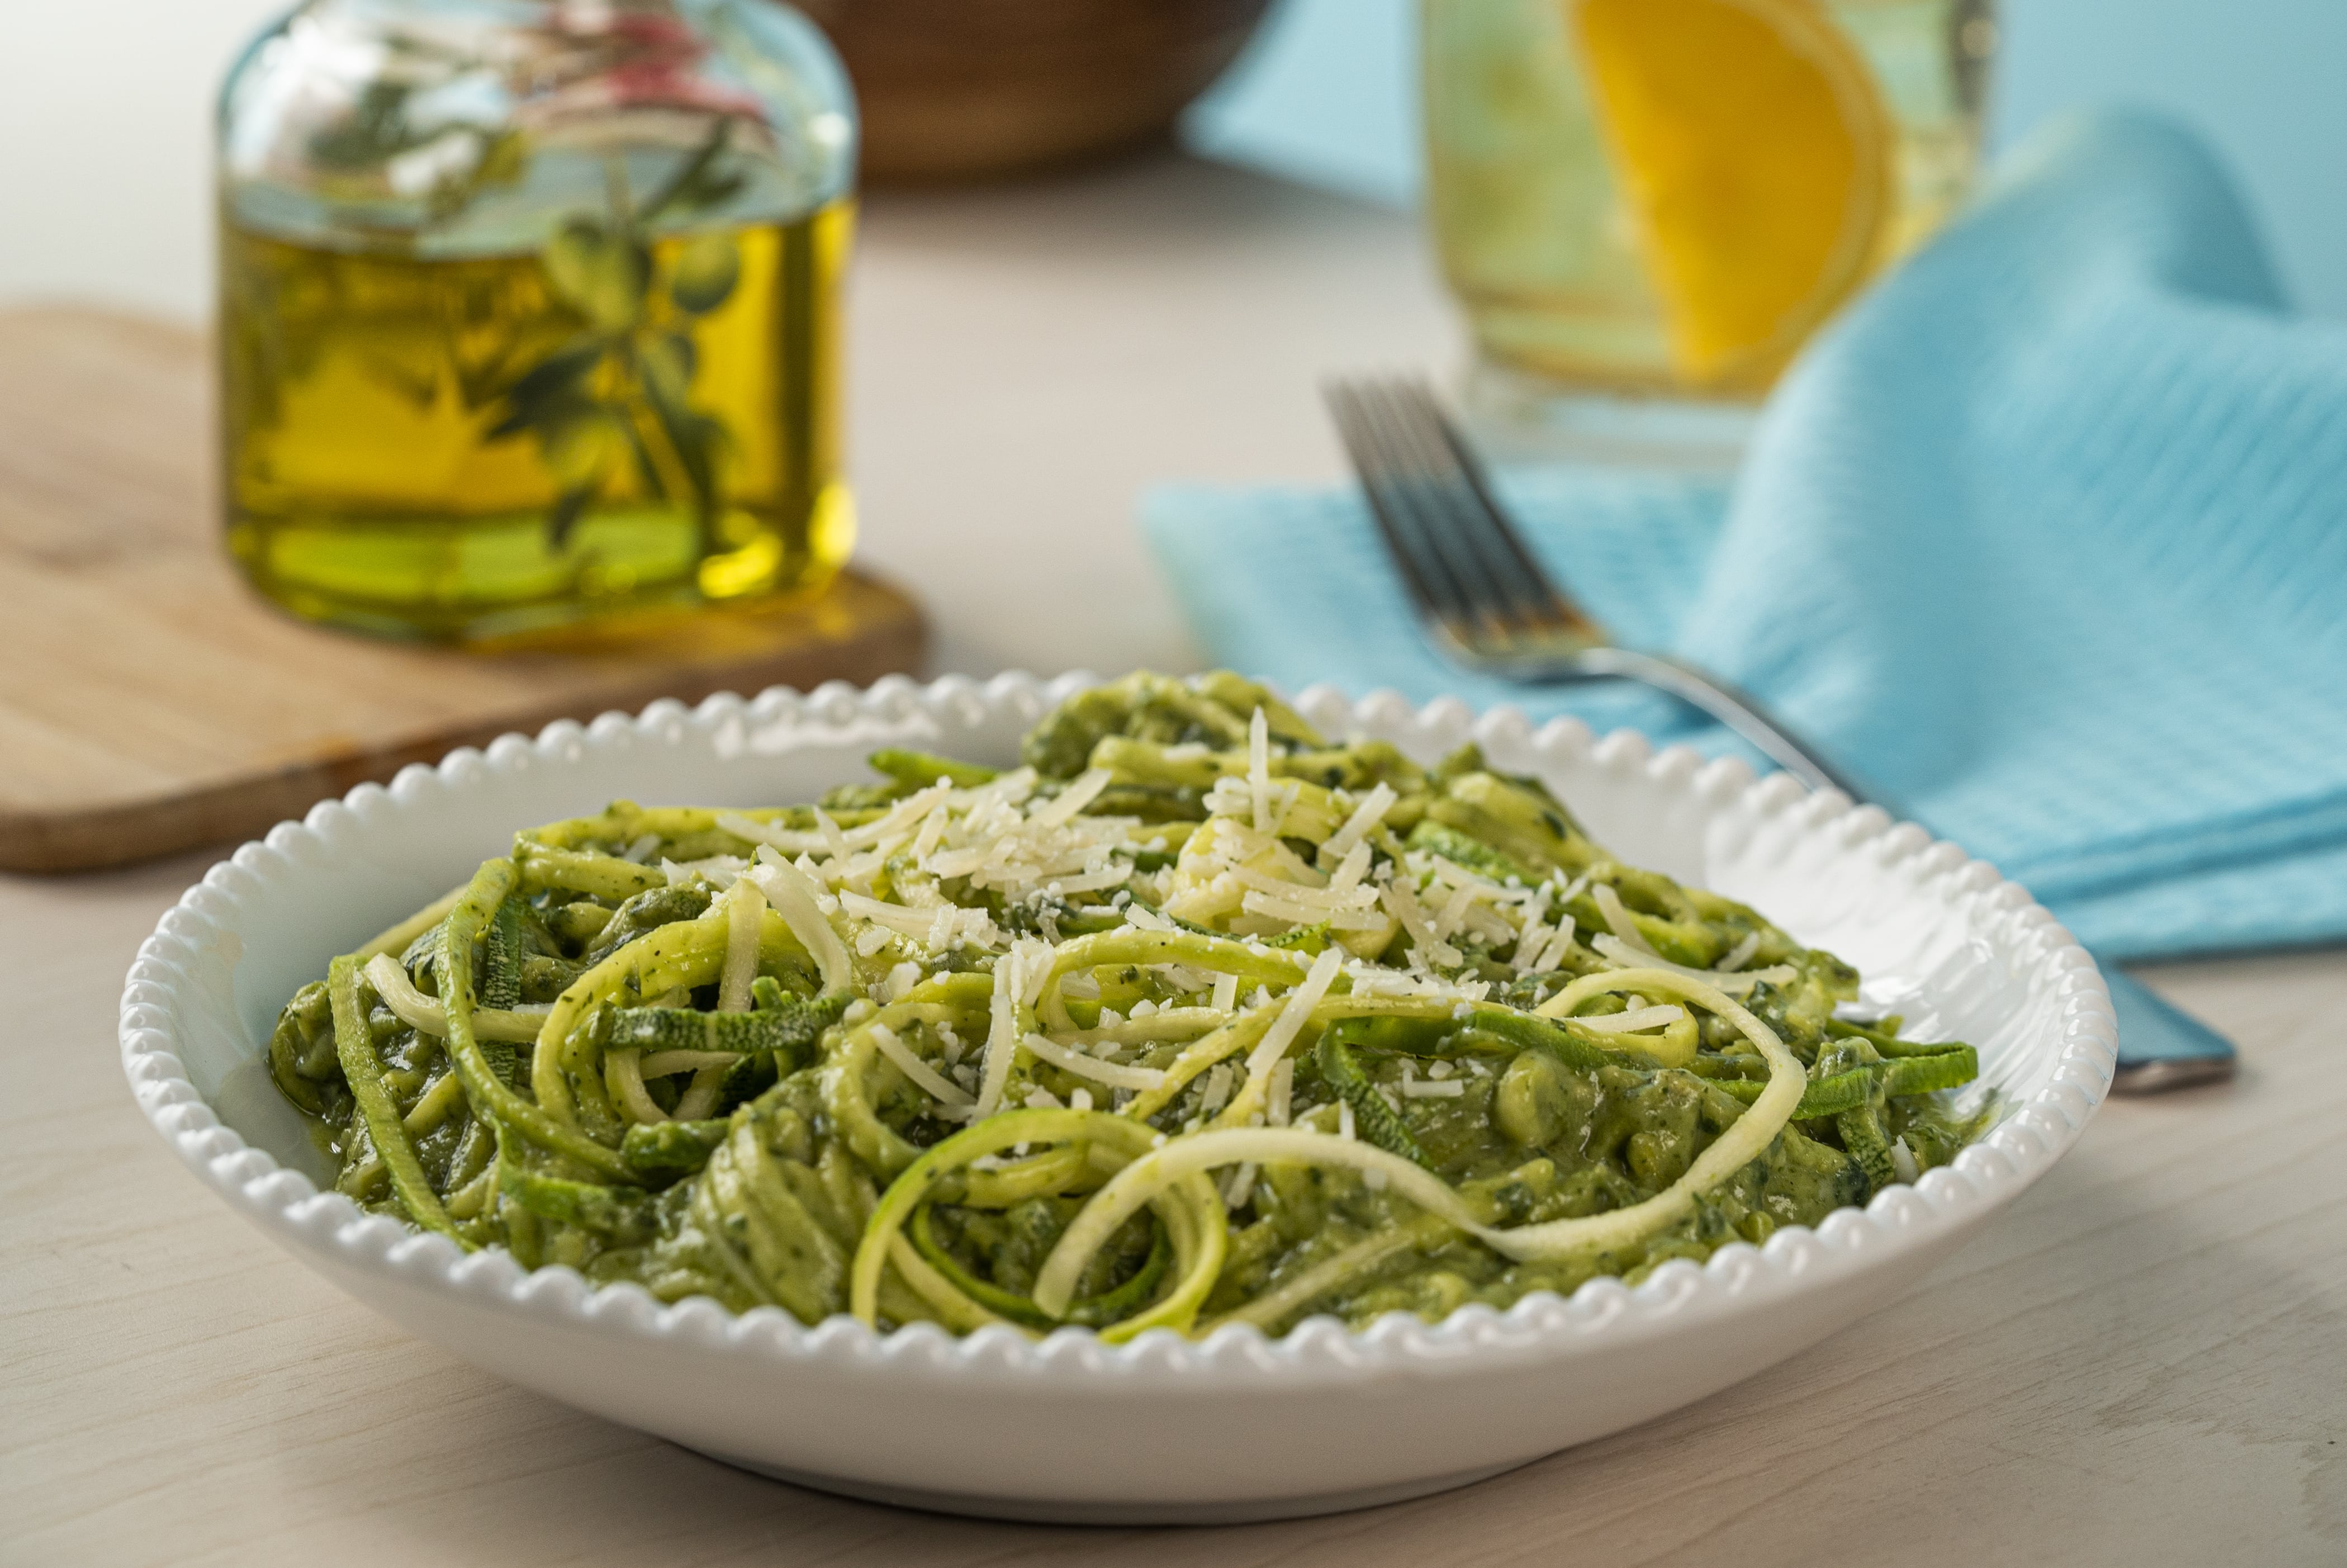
(544, 1063)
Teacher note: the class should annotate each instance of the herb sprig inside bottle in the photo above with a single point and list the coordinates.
(619, 392)
(538, 321)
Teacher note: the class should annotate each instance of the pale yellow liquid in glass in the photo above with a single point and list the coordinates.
(1527, 206)
(365, 484)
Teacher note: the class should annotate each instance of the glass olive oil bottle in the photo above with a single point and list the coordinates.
(529, 310)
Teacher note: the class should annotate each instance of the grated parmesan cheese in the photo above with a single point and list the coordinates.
(1259, 769)
(935, 1084)
(1111, 1074)
(1292, 1016)
(1226, 997)
(1617, 919)
(1057, 811)
(1002, 1036)
(792, 892)
(1903, 1160)
(1426, 947)
(1364, 821)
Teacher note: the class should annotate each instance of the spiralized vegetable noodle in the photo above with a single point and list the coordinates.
(1196, 1017)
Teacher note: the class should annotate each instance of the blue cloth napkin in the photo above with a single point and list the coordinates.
(2045, 539)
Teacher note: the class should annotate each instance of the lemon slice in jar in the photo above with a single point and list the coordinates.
(1754, 155)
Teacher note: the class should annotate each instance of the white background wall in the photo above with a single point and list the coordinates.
(106, 147)
(105, 124)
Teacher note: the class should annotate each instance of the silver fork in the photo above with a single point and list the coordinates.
(1488, 604)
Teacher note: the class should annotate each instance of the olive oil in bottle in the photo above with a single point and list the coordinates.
(492, 371)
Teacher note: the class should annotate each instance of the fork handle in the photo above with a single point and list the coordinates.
(1736, 709)
(2162, 1047)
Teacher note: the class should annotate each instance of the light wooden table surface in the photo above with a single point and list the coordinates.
(2144, 1362)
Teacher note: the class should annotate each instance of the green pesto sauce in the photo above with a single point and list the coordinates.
(754, 1175)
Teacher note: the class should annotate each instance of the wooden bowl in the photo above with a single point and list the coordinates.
(963, 89)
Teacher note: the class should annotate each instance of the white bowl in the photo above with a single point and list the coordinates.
(1236, 1427)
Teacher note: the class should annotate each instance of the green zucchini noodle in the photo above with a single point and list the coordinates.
(1195, 1017)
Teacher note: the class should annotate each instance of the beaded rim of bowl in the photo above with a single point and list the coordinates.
(2036, 1131)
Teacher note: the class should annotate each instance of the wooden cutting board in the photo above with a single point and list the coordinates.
(150, 703)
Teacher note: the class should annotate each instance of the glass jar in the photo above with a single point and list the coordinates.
(529, 310)
(1646, 207)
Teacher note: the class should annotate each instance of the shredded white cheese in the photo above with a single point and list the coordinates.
(1113, 1074)
(930, 1081)
(1360, 824)
(1453, 913)
(1056, 812)
(1617, 918)
(1739, 955)
(1903, 1160)
(1427, 948)
(1292, 1016)
(1003, 1033)
(793, 895)
(1310, 896)
(1558, 946)
(1259, 769)
(1294, 912)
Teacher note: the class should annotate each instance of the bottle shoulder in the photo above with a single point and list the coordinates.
(457, 127)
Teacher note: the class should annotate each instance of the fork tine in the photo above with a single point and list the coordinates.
(1462, 532)
(1428, 584)
(1426, 569)
(1413, 409)
(1485, 526)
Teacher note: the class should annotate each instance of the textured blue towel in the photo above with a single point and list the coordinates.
(2045, 539)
